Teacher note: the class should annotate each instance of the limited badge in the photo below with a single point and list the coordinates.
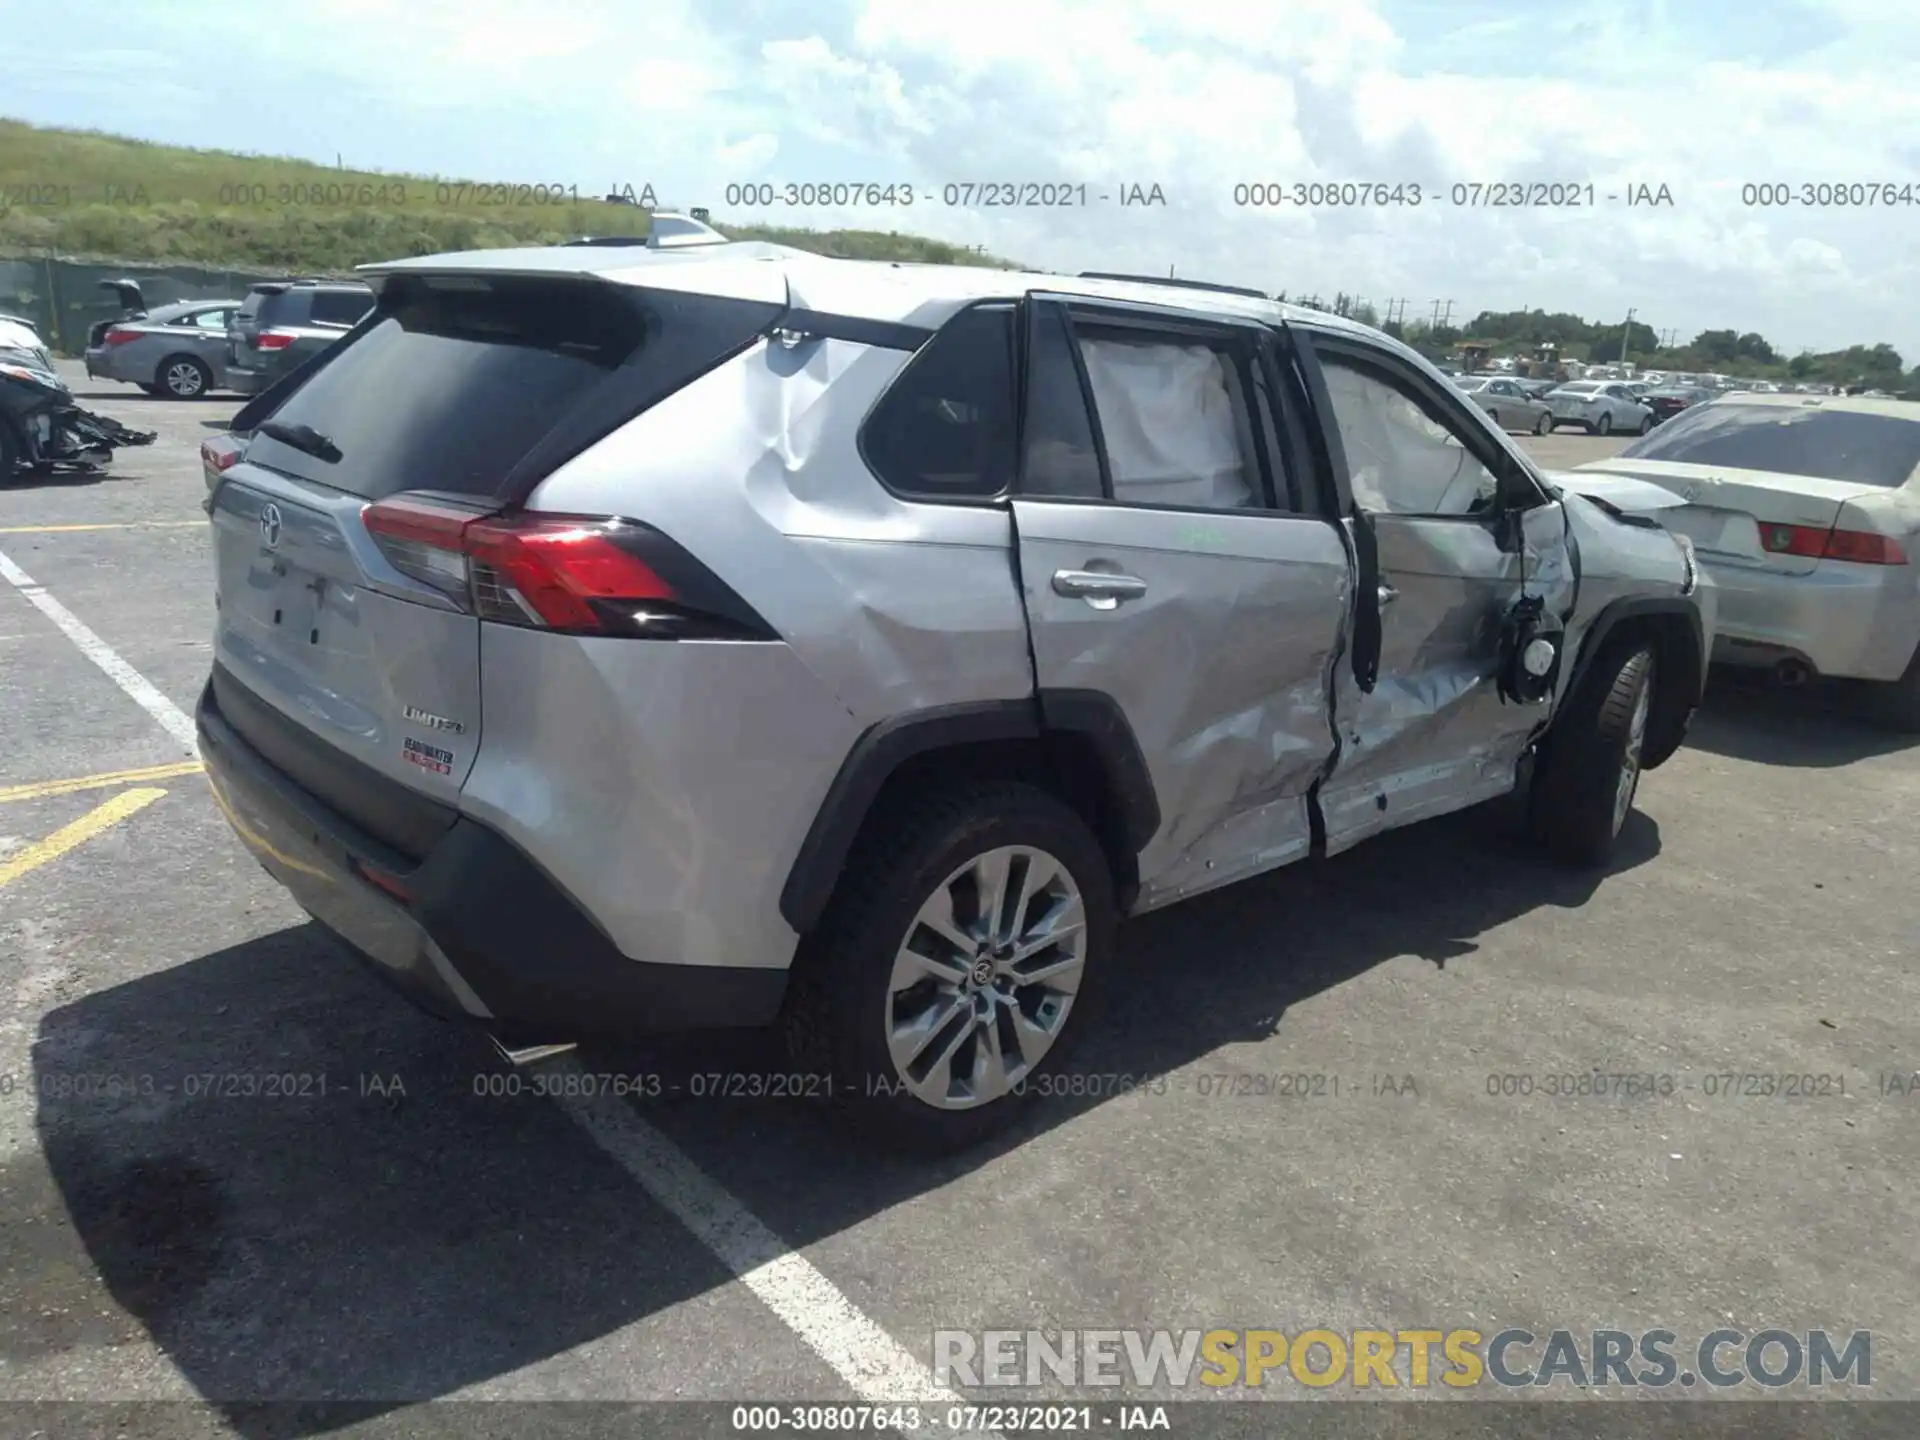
(417, 716)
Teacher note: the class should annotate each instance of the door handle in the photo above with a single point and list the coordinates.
(1101, 590)
(1387, 595)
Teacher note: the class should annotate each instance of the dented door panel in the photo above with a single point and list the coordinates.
(1221, 665)
(1434, 734)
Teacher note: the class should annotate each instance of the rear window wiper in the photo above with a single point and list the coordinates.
(304, 438)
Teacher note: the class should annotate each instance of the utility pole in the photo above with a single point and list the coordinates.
(1447, 319)
(1436, 315)
(1623, 337)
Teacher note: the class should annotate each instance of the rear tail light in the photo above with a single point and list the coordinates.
(582, 574)
(119, 337)
(272, 340)
(1862, 547)
(217, 456)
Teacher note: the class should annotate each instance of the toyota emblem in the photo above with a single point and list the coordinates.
(270, 525)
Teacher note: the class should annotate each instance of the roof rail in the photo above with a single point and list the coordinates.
(1178, 284)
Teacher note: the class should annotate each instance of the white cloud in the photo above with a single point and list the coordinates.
(1196, 97)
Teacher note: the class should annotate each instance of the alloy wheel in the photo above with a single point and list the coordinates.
(985, 977)
(184, 380)
(1630, 759)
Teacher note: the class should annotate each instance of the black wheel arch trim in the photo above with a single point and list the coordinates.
(1090, 715)
(1667, 727)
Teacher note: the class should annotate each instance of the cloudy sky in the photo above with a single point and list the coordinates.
(1195, 96)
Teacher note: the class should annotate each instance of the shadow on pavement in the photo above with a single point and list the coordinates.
(337, 1240)
(1817, 726)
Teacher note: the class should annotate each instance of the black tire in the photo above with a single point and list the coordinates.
(1573, 810)
(836, 1013)
(182, 377)
(9, 453)
(1646, 424)
(1604, 426)
(1544, 425)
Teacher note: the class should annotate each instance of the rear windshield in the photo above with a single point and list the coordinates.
(1844, 445)
(450, 388)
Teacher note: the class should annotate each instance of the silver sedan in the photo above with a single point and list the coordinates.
(1601, 407)
(178, 351)
(1509, 405)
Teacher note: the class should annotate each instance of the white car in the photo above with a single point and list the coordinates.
(1805, 512)
(1601, 407)
(22, 344)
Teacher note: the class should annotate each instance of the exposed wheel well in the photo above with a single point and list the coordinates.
(1065, 764)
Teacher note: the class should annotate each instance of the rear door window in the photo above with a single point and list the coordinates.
(456, 382)
(1845, 445)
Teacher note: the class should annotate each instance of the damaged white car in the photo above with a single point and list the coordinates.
(613, 640)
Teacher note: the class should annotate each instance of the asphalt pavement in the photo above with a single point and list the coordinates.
(237, 1172)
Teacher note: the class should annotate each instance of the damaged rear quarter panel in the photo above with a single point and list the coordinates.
(896, 606)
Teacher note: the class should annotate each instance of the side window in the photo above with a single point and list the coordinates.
(1176, 420)
(340, 307)
(1402, 459)
(213, 320)
(945, 428)
(1060, 457)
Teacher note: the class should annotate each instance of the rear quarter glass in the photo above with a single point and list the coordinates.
(459, 388)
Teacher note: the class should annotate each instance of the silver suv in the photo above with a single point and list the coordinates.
(612, 640)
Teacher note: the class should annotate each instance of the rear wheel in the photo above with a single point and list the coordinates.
(1605, 425)
(955, 964)
(183, 377)
(1589, 769)
(1646, 423)
(1544, 425)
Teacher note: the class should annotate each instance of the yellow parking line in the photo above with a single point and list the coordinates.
(116, 525)
(79, 832)
(104, 781)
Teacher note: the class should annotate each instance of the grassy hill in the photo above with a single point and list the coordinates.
(81, 193)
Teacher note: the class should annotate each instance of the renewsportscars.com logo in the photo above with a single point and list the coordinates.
(1387, 1359)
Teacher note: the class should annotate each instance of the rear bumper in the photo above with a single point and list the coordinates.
(242, 381)
(1846, 621)
(474, 930)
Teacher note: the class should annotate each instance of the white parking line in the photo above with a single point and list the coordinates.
(142, 691)
(870, 1362)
